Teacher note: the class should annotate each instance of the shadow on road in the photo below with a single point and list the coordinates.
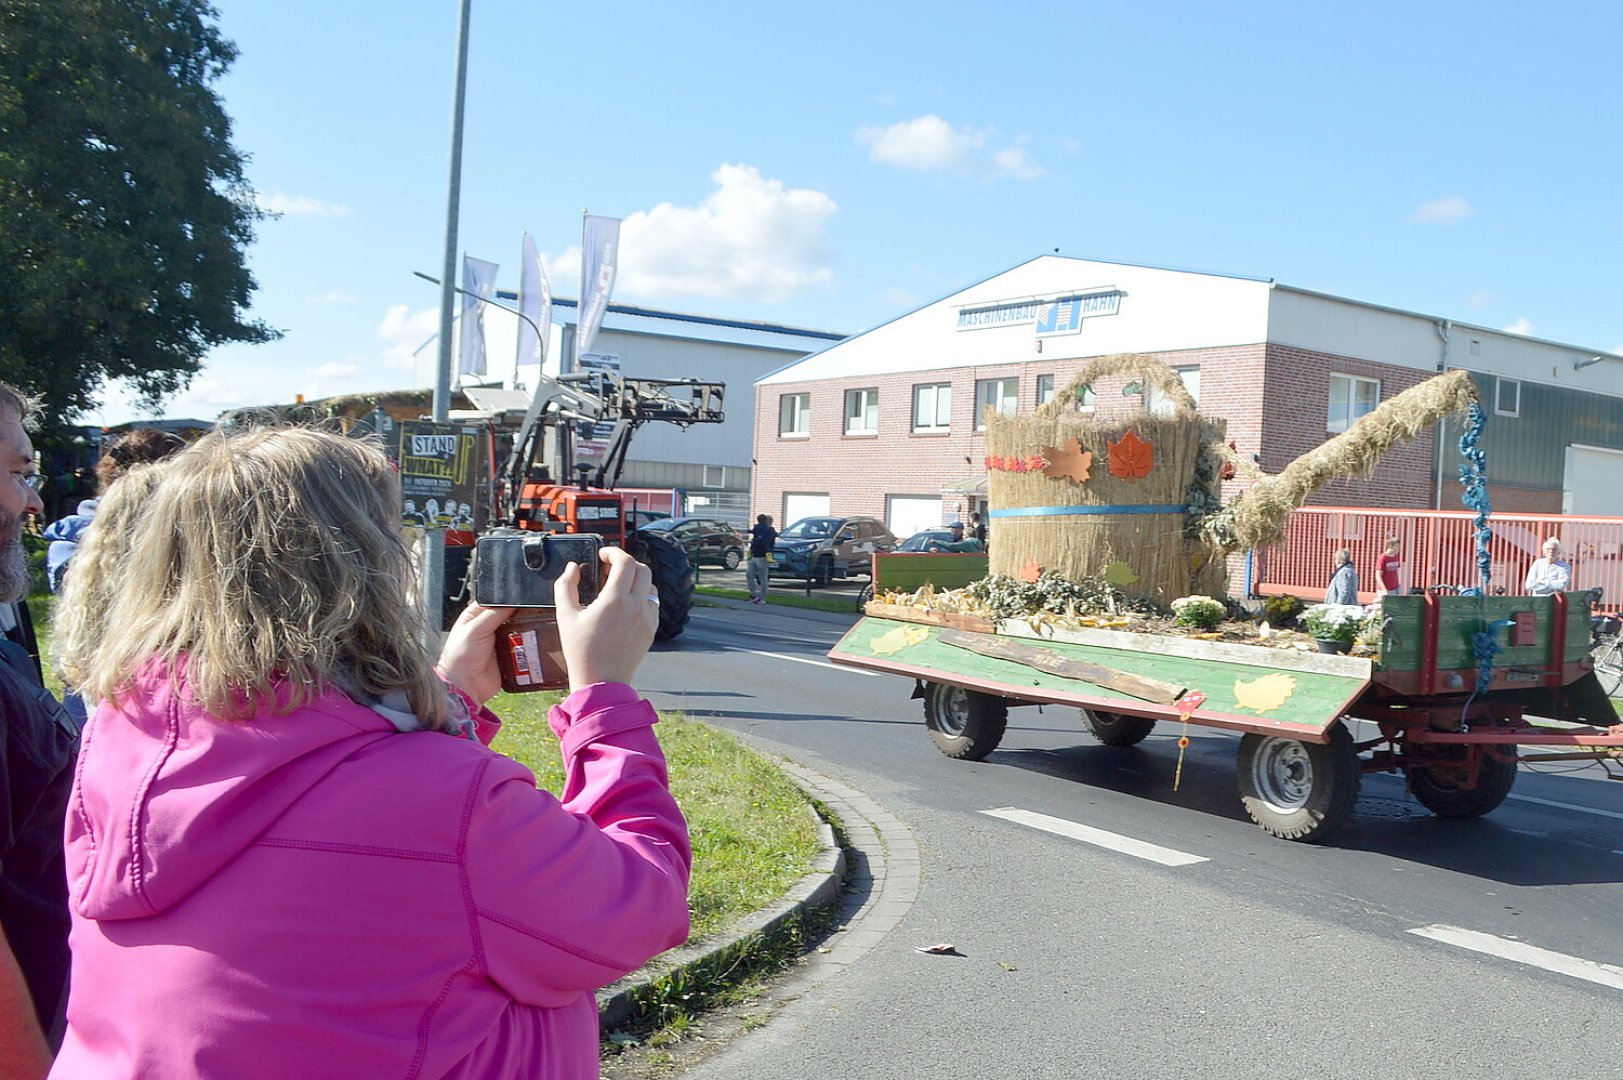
(1386, 820)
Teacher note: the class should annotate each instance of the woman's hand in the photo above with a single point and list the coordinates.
(606, 640)
(468, 658)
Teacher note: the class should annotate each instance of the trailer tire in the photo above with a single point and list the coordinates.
(1435, 791)
(965, 724)
(1117, 729)
(673, 581)
(1296, 790)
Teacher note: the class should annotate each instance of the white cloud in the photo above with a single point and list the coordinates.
(929, 143)
(335, 370)
(331, 297)
(298, 205)
(1520, 326)
(403, 331)
(1449, 210)
(1479, 299)
(752, 238)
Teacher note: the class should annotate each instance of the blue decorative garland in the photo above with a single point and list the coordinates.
(1474, 478)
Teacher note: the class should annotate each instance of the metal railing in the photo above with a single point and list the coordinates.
(1439, 548)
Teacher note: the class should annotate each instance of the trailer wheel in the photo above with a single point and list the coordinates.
(1116, 729)
(965, 724)
(673, 580)
(1296, 790)
(1438, 789)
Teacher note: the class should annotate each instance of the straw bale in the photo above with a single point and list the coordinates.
(1256, 517)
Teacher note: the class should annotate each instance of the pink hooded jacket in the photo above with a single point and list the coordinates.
(321, 895)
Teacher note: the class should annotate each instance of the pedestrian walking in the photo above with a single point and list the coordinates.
(1343, 581)
(762, 538)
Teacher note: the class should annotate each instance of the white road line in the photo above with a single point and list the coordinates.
(1523, 953)
(815, 663)
(1567, 806)
(1098, 837)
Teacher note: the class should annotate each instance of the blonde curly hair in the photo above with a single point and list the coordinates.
(264, 564)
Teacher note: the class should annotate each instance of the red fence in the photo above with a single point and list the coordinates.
(1439, 548)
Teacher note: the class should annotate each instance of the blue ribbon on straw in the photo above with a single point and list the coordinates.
(1054, 511)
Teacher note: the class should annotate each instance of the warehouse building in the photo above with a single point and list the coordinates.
(890, 422)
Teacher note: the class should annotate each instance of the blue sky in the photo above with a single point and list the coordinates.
(834, 165)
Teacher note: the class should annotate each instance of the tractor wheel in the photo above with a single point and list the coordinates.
(965, 724)
(1114, 729)
(1438, 788)
(673, 581)
(1297, 790)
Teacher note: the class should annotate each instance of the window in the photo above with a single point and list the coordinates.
(715, 476)
(1350, 398)
(862, 411)
(1157, 402)
(997, 395)
(1507, 398)
(932, 406)
(1045, 389)
(794, 416)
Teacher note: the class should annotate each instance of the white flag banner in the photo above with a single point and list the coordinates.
(600, 243)
(478, 286)
(535, 304)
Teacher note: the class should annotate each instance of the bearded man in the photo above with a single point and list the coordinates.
(36, 760)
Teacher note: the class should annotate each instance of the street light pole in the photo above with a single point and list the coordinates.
(434, 548)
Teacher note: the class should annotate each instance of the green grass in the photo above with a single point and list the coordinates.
(752, 835)
(842, 605)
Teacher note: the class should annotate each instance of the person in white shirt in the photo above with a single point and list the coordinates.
(1551, 574)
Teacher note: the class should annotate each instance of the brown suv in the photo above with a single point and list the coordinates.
(825, 548)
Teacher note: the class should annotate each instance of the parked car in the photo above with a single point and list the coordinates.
(921, 541)
(637, 519)
(825, 548)
(706, 540)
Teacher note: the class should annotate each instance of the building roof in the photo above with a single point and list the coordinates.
(641, 320)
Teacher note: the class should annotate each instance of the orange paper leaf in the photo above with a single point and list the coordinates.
(1131, 458)
(1068, 462)
(1030, 572)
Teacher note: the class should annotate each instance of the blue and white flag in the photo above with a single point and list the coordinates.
(478, 285)
(535, 304)
(600, 243)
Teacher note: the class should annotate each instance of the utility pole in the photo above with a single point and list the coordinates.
(434, 551)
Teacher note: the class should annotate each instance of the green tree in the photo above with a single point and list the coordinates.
(124, 212)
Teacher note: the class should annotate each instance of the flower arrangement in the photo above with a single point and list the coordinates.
(1201, 612)
(1334, 622)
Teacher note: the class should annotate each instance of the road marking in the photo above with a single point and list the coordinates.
(1567, 806)
(1523, 953)
(1098, 837)
(815, 663)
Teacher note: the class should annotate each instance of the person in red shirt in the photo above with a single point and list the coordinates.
(1388, 567)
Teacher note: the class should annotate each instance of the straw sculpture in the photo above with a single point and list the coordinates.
(1087, 498)
(1256, 517)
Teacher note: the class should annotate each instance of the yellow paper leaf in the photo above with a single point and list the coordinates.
(1266, 693)
(1120, 574)
(896, 640)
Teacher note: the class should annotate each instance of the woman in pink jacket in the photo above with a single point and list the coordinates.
(289, 851)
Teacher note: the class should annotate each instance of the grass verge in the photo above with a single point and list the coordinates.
(841, 605)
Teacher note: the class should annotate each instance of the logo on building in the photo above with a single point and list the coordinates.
(1060, 315)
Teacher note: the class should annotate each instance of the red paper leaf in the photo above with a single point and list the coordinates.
(1030, 572)
(1131, 458)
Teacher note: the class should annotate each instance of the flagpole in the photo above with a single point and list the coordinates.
(434, 548)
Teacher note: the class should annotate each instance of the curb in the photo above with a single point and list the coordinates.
(836, 618)
(818, 888)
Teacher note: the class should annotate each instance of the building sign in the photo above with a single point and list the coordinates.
(438, 476)
(598, 361)
(1061, 315)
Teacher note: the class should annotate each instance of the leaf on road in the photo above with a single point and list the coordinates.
(946, 948)
(1007, 967)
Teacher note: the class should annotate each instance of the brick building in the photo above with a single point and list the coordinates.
(887, 422)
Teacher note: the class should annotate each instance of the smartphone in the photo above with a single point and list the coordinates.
(514, 568)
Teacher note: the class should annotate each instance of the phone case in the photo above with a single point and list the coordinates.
(519, 569)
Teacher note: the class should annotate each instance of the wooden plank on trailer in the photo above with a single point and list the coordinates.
(1162, 693)
(904, 613)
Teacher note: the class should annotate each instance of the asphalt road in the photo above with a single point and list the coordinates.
(1407, 947)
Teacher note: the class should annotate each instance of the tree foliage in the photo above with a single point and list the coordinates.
(124, 211)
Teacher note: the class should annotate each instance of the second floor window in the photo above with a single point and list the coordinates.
(1350, 398)
(1001, 396)
(794, 416)
(862, 411)
(932, 407)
